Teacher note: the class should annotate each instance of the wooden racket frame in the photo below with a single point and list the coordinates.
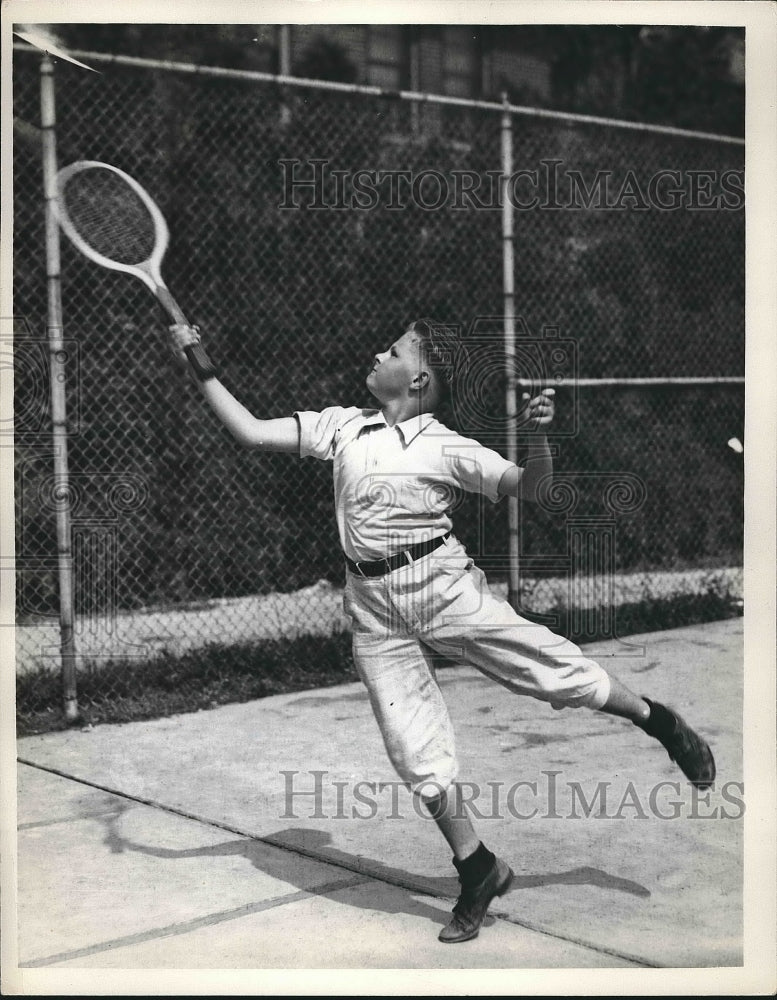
(148, 271)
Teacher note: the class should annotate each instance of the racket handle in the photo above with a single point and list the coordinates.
(201, 364)
(170, 305)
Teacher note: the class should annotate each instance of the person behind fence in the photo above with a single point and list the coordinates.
(412, 592)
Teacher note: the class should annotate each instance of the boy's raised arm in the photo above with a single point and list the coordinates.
(536, 475)
(278, 434)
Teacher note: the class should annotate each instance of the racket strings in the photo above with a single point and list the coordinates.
(109, 216)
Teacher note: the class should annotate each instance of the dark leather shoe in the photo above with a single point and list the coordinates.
(685, 747)
(472, 905)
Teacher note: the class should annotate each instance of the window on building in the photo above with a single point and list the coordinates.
(386, 56)
(461, 64)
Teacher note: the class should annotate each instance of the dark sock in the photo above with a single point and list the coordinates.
(475, 868)
(659, 723)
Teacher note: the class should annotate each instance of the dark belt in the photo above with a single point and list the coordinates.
(382, 566)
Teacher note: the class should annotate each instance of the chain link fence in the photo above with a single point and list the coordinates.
(307, 226)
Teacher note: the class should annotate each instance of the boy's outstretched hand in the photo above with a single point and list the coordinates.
(538, 411)
(181, 337)
(189, 352)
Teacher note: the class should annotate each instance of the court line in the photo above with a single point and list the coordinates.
(186, 926)
(364, 871)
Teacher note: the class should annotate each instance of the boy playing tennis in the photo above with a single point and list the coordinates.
(412, 592)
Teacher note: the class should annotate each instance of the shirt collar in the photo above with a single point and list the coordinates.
(413, 426)
(409, 429)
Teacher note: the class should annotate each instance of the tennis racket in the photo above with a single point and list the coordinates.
(113, 221)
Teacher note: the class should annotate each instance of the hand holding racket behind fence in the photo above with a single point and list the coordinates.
(113, 221)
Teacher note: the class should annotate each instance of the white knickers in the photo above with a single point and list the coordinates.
(442, 605)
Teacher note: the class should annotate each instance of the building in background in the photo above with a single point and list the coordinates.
(682, 75)
(456, 60)
(601, 67)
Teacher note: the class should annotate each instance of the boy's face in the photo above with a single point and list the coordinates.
(394, 370)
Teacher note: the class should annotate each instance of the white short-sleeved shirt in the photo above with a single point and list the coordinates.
(394, 486)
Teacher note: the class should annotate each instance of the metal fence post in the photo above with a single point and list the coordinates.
(508, 295)
(284, 67)
(58, 361)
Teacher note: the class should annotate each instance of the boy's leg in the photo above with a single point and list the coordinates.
(408, 705)
(685, 747)
(454, 822)
(481, 874)
(472, 625)
(625, 703)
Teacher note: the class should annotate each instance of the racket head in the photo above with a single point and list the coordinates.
(112, 220)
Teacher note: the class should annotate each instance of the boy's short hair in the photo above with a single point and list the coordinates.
(442, 350)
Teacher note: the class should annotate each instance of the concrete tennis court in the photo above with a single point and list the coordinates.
(176, 843)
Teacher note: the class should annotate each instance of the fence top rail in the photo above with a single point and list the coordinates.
(629, 383)
(403, 95)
